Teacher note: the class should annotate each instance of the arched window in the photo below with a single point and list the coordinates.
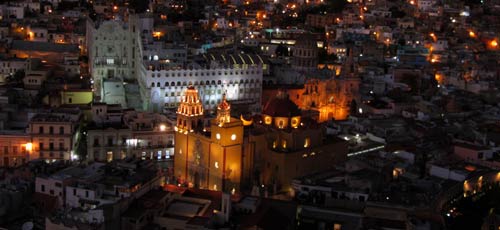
(207, 83)
(172, 83)
(166, 84)
(152, 84)
(178, 83)
(219, 82)
(158, 84)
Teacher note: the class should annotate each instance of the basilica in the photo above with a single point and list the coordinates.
(230, 154)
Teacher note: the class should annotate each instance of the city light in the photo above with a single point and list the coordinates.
(29, 146)
(494, 43)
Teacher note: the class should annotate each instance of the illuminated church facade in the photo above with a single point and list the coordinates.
(330, 98)
(232, 154)
(208, 157)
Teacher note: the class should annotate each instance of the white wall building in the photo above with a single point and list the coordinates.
(163, 89)
(10, 66)
(53, 186)
(113, 48)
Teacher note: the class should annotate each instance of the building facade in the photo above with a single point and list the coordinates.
(54, 136)
(131, 134)
(163, 88)
(113, 50)
(15, 148)
(208, 157)
(288, 144)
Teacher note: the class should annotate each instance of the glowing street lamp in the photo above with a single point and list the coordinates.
(494, 43)
(472, 34)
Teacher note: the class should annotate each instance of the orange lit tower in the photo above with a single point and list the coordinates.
(190, 111)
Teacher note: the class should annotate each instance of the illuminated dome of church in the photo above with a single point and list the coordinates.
(281, 106)
(282, 111)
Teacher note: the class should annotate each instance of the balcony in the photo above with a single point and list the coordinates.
(52, 150)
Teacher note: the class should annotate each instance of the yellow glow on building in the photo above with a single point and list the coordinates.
(439, 78)
(157, 34)
(283, 144)
(268, 120)
(246, 122)
(29, 146)
(307, 142)
(493, 43)
(295, 122)
(76, 97)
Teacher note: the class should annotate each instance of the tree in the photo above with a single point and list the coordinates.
(353, 107)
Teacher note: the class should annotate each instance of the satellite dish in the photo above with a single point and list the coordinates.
(27, 226)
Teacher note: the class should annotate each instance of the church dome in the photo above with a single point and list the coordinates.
(281, 106)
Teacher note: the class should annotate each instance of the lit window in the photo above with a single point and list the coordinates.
(281, 124)
(283, 144)
(307, 142)
(233, 137)
(267, 120)
(217, 136)
(274, 144)
(216, 164)
(109, 156)
(155, 57)
(295, 122)
(110, 61)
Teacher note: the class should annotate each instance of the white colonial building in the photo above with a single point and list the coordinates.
(132, 65)
(163, 89)
(113, 48)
